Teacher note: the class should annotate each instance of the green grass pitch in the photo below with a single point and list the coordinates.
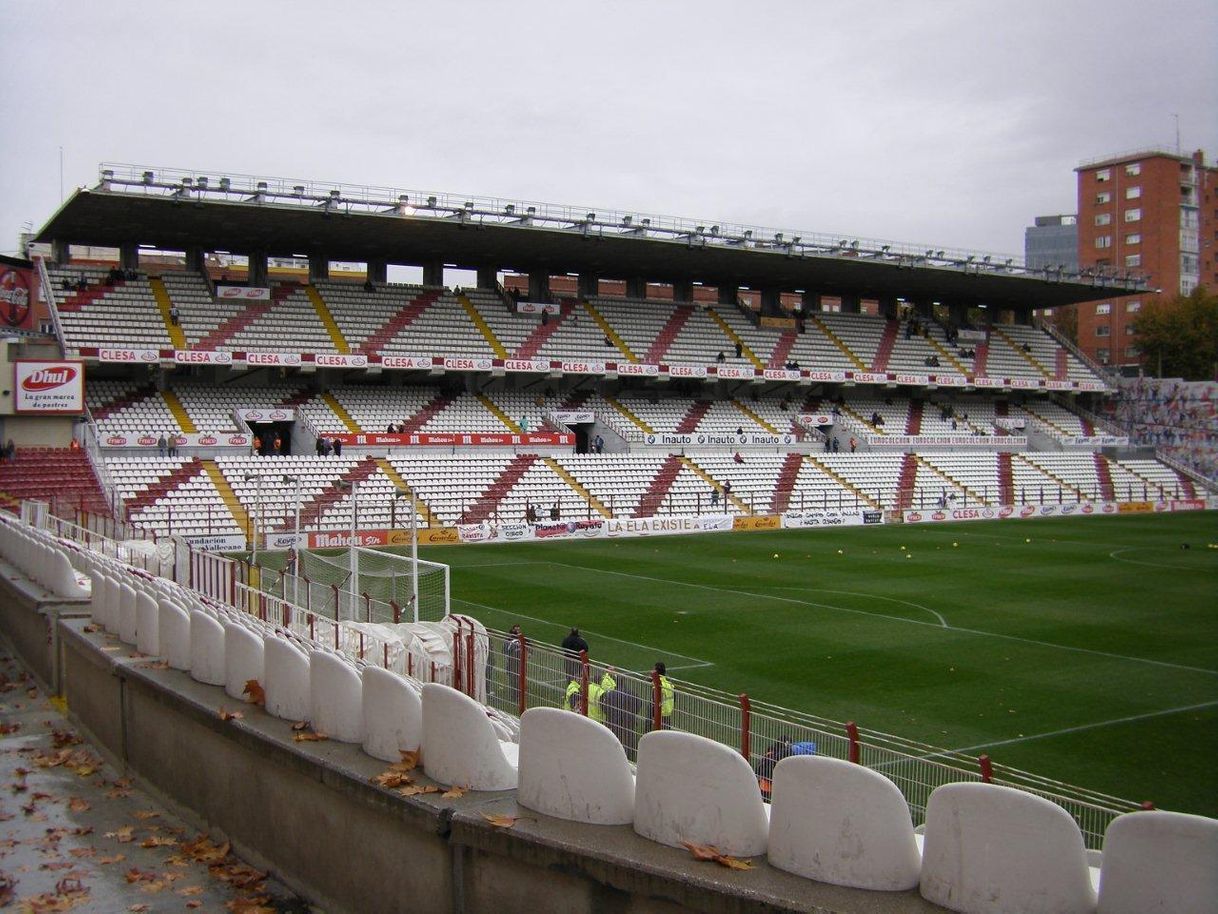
(1084, 650)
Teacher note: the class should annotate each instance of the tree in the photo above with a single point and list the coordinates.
(1179, 338)
(1065, 320)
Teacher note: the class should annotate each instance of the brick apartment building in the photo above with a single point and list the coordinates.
(1153, 213)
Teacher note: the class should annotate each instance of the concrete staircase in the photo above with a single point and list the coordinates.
(165, 306)
(913, 421)
(1006, 479)
(678, 319)
(311, 510)
(543, 331)
(689, 422)
(906, 481)
(650, 503)
(239, 321)
(485, 505)
(403, 318)
(327, 320)
(416, 422)
(979, 360)
(1104, 475)
(782, 349)
(164, 485)
(786, 483)
(887, 342)
(228, 496)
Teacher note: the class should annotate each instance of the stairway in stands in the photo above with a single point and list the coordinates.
(659, 348)
(782, 349)
(649, 504)
(689, 422)
(1104, 475)
(405, 316)
(61, 476)
(913, 422)
(1006, 479)
(416, 422)
(543, 331)
(242, 319)
(1061, 365)
(485, 505)
(786, 483)
(887, 342)
(983, 353)
(143, 392)
(1088, 426)
(164, 485)
(311, 510)
(905, 482)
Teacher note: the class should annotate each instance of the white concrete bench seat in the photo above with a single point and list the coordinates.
(393, 714)
(1159, 861)
(459, 743)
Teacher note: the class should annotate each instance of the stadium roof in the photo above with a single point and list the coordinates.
(176, 210)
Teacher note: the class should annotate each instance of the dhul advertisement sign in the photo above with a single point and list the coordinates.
(49, 387)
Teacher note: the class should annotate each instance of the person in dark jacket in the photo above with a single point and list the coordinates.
(572, 645)
(765, 765)
(621, 707)
(511, 665)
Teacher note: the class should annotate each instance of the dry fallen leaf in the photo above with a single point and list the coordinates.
(138, 908)
(124, 835)
(392, 779)
(190, 891)
(117, 858)
(144, 814)
(79, 804)
(410, 760)
(159, 665)
(203, 850)
(158, 841)
(500, 821)
(300, 725)
(230, 715)
(415, 790)
(257, 695)
(309, 736)
(701, 851)
(733, 863)
(454, 792)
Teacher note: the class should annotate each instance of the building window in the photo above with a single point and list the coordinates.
(1133, 260)
(1103, 174)
(1133, 169)
(1101, 354)
(1103, 330)
(1103, 241)
(1131, 330)
(1103, 308)
(1103, 218)
(1103, 197)
(1132, 193)
(1133, 238)
(1133, 307)
(1133, 215)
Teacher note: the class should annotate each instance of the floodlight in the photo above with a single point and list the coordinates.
(148, 177)
(261, 187)
(298, 190)
(202, 182)
(510, 209)
(225, 184)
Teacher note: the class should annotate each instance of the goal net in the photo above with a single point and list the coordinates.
(376, 586)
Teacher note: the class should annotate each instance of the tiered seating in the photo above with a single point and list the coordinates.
(360, 314)
(198, 313)
(450, 483)
(860, 407)
(577, 336)
(1076, 470)
(752, 481)
(443, 327)
(124, 315)
(1168, 480)
(193, 506)
(511, 330)
(976, 472)
(289, 325)
(1054, 420)
(815, 489)
(617, 481)
(910, 353)
(129, 407)
(877, 475)
(211, 408)
(61, 476)
(1045, 350)
(760, 340)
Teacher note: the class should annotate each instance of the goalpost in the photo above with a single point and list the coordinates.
(370, 583)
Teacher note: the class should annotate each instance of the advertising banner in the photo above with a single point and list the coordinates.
(780, 374)
(687, 371)
(871, 377)
(970, 336)
(985, 441)
(534, 365)
(570, 529)
(48, 388)
(17, 297)
(408, 362)
(918, 379)
(242, 293)
(217, 542)
(802, 519)
(338, 360)
(740, 372)
(817, 375)
(637, 368)
(572, 366)
(476, 363)
(151, 439)
(202, 357)
(668, 526)
(483, 439)
(814, 419)
(757, 522)
(573, 416)
(275, 414)
(271, 359)
(1094, 440)
(128, 355)
(710, 439)
(533, 307)
(1187, 504)
(949, 380)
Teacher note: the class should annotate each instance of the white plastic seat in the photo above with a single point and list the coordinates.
(1159, 861)
(242, 659)
(286, 668)
(128, 621)
(336, 697)
(837, 822)
(996, 850)
(206, 648)
(572, 767)
(173, 631)
(690, 788)
(459, 744)
(393, 714)
(147, 617)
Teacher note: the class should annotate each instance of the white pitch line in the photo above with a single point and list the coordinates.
(873, 596)
(698, 662)
(1079, 729)
(862, 612)
(1116, 553)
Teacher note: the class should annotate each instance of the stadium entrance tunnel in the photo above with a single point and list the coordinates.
(266, 433)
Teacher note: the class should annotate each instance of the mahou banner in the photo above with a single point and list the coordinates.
(49, 387)
(16, 297)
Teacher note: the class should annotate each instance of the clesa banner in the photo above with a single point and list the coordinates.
(49, 388)
(1066, 509)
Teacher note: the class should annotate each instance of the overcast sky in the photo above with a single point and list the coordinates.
(945, 123)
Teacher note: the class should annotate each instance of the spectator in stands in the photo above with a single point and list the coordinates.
(390, 429)
(511, 664)
(720, 358)
(524, 424)
(530, 513)
(10, 450)
(765, 765)
(837, 444)
(853, 444)
(739, 349)
(162, 445)
(369, 286)
(714, 497)
(572, 645)
(545, 317)
(338, 448)
(73, 445)
(598, 445)
(278, 445)
(175, 318)
(739, 431)
(321, 446)
(173, 444)
(554, 511)
(727, 491)
(608, 342)
(667, 695)
(736, 457)
(257, 445)
(621, 707)
(596, 691)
